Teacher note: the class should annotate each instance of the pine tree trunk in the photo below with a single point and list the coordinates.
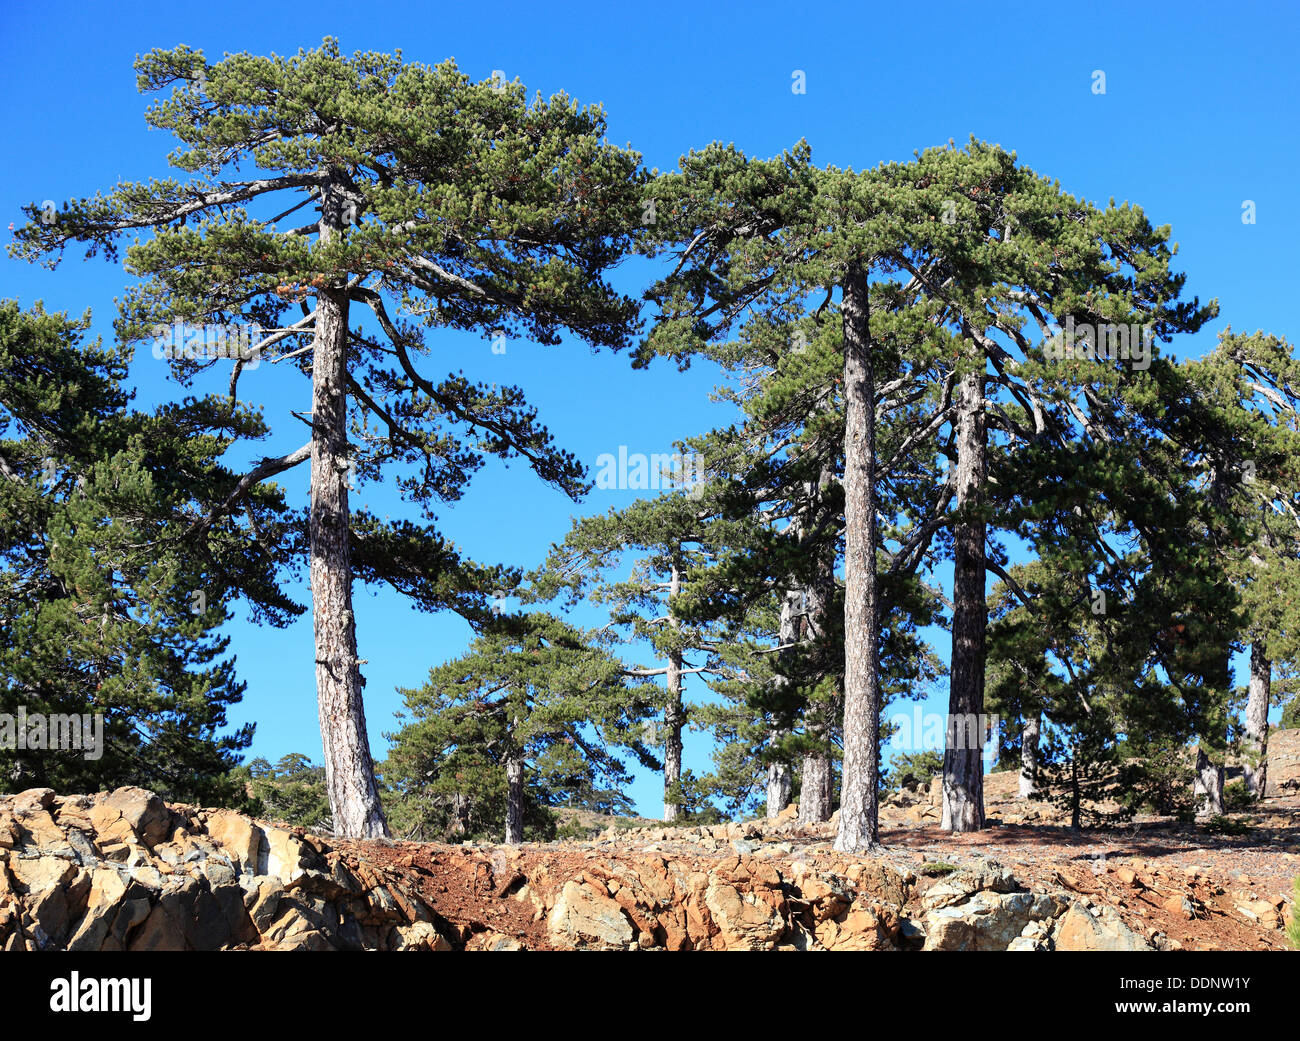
(859, 829)
(816, 790)
(1261, 682)
(1076, 794)
(963, 766)
(514, 800)
(673, 719)
(349, 771)
(674, 714)
(779, 784)
(1029, 755)
(1209, 784)
(460, 815)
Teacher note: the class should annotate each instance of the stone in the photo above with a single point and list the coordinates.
(491, 941)
(424, 937)
(56, 909)
(265, 902)
(882, 881)
(584, 917)
(1080, 931)
(301, 926)
(38, 828)
(960, 886)
(280, 854)
(107, 890)
(131, 912)
(239, 837)
(744, 921)
(988, 921)
(304, 940)
(32, 799)
(38, 874)
(160, 931)
(9, 831)
(859, 928)
(130, 815)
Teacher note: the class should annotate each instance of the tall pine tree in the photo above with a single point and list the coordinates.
(319, 188)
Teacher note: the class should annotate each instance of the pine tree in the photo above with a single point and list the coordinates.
(536, 712)
(1086, 630)
(433, 202)
(998, 249)
(1250, 382)
(107, 608)
(667, 537)
(773, 237)
(291, 791)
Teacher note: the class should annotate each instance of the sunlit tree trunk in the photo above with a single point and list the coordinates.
(1209, 784)
(674, 714)
(1261, 681)
(779, 786)
(859, 828)
(349, 770)
(779, 782)
(1029, 755)
(963, 767)
(514, 800)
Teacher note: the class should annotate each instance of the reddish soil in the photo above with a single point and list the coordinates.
(1139, 869)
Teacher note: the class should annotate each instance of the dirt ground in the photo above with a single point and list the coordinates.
(1195, 888)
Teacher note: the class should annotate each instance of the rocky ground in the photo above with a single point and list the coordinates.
(124, 871)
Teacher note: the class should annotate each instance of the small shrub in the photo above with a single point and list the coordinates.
(936, 868)
(1237, 797)
(1293, 920)
(1157, 778)
(1220, 825)
(917, 769)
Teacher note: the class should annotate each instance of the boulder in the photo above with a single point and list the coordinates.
(239, 837)
(280, 853)
(34, 875)
(107, 890)
(129, 815)
(744, 921)
(960, 886)
(988, 921)
(424, 937)
(860, 927)
(31, 800)
(1079, 930)
(583, 917)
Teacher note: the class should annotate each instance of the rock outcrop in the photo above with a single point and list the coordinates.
(123, 871)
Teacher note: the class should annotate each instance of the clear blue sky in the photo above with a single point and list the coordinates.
(1199, 115)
